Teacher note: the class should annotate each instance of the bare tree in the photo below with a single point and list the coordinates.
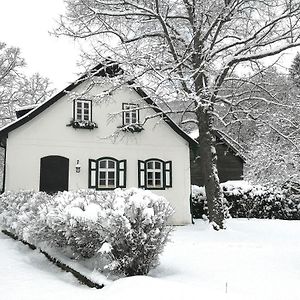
(17, 89)
(188, 50)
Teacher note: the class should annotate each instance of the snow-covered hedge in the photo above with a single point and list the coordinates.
(244, 200)
(120, 230)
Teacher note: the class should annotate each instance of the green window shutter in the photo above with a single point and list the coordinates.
(122, 173)
(92, 173)
(141, 174)
(168, 174)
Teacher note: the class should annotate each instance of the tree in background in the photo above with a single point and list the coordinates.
(190, 51)
(17, 89)
(295, 70)
(273, 135)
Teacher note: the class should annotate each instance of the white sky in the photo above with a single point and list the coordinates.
(26, 23)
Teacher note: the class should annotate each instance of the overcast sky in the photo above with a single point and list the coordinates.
(26, 23)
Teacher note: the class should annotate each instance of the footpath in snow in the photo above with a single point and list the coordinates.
(252, 259)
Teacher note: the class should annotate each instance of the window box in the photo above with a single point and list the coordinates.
(83, 124)
(131, 128)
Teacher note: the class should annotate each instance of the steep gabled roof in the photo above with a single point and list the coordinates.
(110, 69)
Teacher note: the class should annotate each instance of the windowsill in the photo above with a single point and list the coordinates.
(155, 188)
(105, 188)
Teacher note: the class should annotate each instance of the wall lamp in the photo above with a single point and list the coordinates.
(77, 167)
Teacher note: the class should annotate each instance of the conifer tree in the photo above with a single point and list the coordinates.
(295, 70)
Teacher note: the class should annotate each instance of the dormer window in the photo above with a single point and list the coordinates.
(130, 113)
(82, 110)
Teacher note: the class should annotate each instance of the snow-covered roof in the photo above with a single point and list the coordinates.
(195, 134)
(26, 107)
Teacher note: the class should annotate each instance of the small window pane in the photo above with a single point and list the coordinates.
(150, 182)
(150, 165)
(111, 175)
(111, 164)
(102, 175)
(103, 164)
(157, 182)
(111, 182)
(157, 175)
(150, 175)
(157, 165)
(102, 182)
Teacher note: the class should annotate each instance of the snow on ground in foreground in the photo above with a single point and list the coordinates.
(255, 259)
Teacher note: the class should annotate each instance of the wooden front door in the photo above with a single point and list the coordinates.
(54, 174)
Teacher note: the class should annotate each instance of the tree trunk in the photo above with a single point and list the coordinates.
(208, 156)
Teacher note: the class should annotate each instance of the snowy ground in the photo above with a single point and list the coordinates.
(252, 259)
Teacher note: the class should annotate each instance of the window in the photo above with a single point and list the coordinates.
(154, 174)
(130, 113)
(107, 176)
(83, 110)
(107, 173)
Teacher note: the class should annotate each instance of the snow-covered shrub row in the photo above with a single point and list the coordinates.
(244, 200)
(122, 230)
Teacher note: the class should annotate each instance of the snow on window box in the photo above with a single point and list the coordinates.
(83, 124)
(131, 128)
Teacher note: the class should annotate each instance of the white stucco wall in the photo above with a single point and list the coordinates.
(47, 134)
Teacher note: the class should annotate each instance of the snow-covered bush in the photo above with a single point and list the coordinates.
(125, 230)
(199, 203)
(252, 201)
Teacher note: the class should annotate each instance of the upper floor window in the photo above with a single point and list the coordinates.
(155, 174)
(82, 110)
(130, 113)
(107, 173)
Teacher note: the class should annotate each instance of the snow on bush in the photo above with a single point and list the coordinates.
(121, 230)
(244, 200)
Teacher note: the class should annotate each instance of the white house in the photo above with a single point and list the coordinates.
(74, 142)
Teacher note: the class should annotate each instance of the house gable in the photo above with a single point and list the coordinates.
(101, 70)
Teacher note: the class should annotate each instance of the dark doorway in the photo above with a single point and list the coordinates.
(54, 174)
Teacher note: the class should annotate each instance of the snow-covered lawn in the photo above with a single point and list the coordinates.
(252, 259)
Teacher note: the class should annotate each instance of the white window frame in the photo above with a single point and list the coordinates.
(130, 112)
(79, 110)
(106, 170)
(154, 171)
